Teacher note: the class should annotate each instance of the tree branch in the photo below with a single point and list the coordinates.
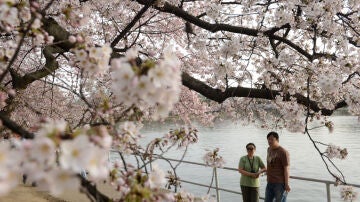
(220, 96)
(168, 8)
(61, 36)
(93, 191)
(179, 12)
(6, 121)
(131, 24)
(62, 45)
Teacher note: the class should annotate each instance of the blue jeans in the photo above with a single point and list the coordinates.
(275, 192)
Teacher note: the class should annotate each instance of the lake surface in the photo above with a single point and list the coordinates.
(231, 138)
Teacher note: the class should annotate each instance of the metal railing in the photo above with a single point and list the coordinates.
(217, 188)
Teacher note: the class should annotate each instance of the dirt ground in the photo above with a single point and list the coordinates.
(27, 193)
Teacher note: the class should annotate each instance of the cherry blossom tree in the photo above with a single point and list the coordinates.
(79, 78)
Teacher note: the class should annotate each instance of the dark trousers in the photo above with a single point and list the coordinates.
(250, 194)
(275, 191)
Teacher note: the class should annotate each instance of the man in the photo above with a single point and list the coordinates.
(278, 162)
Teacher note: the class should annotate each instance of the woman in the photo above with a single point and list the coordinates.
(250, 167)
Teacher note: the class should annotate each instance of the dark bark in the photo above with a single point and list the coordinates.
(220, 96)
(62, 45)
(16, 128)
(93, 191)
(130, 25)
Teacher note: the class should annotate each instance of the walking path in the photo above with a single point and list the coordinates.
(27, 193)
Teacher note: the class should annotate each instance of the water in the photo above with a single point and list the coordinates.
(231, 138)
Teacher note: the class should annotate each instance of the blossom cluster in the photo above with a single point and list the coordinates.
(74, 14)
(183, 136)
(40, 36)
(147, 85)
(3, 97)
(330, 83)
(213, 159)
(347, 193)
(91, 59)
(133, 185)
(53, 158)
(127, 137)
(330, 126)
(159, 3)
(173, 180)
(213, 11)
(334, 151)
(192, 106)
(292, 114)
(184, 196)
(9, 15)
(6, 53)
(13, 13)
(352, 99)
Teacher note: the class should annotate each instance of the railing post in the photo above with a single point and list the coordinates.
(328, 192)
(217, 185)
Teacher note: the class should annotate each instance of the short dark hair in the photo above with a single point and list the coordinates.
(274, 134)
(250, 144)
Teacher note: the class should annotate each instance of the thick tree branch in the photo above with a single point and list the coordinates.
(6, 121)
(62, 45)
(61, 36)
(179, 12)
(93, 191)
(215, 27)
(220, 96)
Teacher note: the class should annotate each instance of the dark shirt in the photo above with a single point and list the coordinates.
(277, 159)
